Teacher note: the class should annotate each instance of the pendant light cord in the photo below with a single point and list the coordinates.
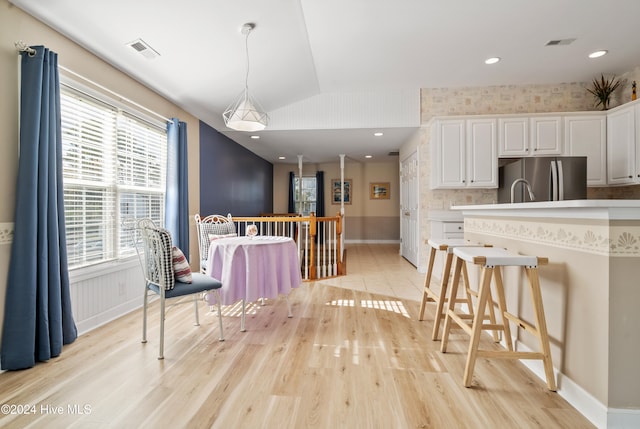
(246, 49)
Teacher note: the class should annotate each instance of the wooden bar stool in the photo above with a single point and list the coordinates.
(428, 295)
(491, 259)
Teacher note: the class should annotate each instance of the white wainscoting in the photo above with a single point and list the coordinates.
(104, 293)
(101, 293)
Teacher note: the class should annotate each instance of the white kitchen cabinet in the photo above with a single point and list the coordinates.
(482, 156)
(513, 137)
(444, 224)
(448, 149)
(621, 146)
(637, 140)
(520, 136)
(444, 229)
(546, 136)
(464, 154)
(586, 135)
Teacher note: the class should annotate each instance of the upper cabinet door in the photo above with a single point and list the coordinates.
(482, 157)
(621, 146)
(448, 154)
(636, 169)
(546, 136)
(513, 137)
(587, 136)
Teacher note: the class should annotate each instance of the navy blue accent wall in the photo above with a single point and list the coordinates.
(232, 178)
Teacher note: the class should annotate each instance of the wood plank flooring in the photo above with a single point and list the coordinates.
(353, 356)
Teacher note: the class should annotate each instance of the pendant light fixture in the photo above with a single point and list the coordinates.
(245, 114)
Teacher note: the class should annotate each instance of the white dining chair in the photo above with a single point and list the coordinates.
(156, 259)
(211, 227)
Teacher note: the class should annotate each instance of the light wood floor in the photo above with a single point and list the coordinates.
(353, 356)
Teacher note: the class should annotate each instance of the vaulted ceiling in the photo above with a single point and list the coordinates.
(332, 72)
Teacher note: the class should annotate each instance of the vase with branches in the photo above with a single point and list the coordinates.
(602, 90)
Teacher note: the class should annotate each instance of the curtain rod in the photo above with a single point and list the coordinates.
(23, 47)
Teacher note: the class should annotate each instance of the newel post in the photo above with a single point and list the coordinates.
(338, 242)
(312, 245)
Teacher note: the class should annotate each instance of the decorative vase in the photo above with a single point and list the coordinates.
(252, 231)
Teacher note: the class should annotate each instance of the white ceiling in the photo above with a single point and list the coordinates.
(324, 58)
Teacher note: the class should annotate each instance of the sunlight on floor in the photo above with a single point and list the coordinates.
(393, 306)
(235, 310)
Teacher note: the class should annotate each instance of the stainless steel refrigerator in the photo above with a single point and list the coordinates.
(553, 178)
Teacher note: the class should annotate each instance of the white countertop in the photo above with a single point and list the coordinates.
(592, 209)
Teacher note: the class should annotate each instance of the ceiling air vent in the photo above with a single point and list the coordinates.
(144, 49)
(394, 153)
(560, 42)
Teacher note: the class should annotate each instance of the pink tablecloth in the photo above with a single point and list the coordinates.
(254, 268)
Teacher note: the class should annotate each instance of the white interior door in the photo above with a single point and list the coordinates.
(409, 194)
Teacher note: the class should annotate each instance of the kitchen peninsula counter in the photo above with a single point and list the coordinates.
(595, 209)
(591, 291)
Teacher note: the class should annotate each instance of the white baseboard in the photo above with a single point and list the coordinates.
(620, 418)
(595, 411)
(371, 241)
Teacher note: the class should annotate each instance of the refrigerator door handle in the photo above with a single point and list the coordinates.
(560, 182)
(554, 182)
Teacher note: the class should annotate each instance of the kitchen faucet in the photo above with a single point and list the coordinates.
(532, 197)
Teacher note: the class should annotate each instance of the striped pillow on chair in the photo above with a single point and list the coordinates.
(181, 268)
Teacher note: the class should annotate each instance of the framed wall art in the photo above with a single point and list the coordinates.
(336, 196)
(379, 191)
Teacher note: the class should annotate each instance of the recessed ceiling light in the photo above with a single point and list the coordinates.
(368, 156)
(492, 60)
(378, 134)
(598, 54)
(282, 157)
(255, 137)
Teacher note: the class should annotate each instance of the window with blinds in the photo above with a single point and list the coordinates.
(114, 166)
(306, 200)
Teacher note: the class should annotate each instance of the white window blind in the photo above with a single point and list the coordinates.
(114, 166)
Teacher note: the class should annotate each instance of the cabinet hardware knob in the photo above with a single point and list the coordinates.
(630, 177)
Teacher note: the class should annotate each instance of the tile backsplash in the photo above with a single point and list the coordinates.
(631, 192)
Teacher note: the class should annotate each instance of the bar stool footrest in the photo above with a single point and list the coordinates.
(505, 354)
(521, 323)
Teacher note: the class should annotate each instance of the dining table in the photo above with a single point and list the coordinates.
(254, 268)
